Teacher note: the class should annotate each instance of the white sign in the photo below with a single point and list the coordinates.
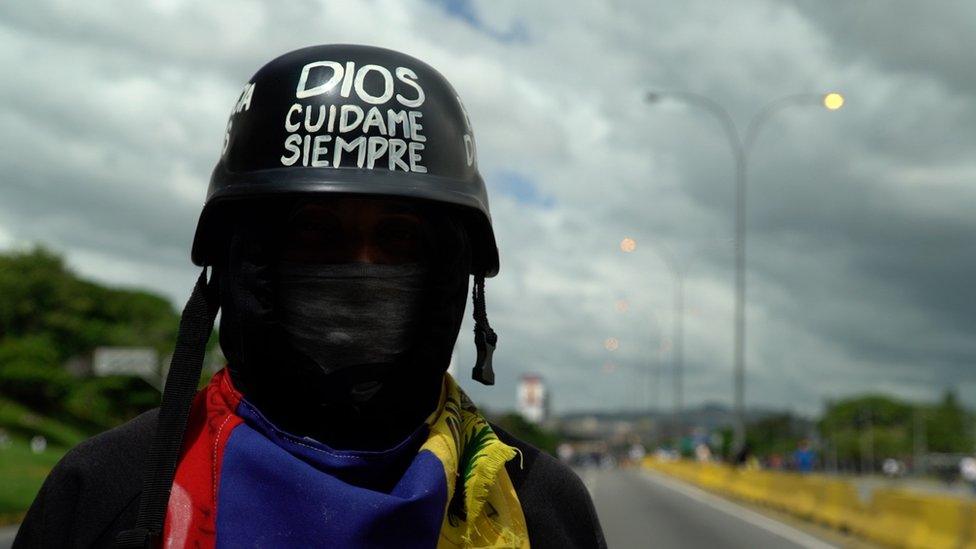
(129, 361)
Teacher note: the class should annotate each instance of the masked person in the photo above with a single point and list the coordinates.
(343, 221)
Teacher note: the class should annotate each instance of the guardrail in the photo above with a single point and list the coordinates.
(892, 517)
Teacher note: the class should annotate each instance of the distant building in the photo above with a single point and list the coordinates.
(533, 398)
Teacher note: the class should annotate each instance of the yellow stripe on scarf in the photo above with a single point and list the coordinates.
(486, 511)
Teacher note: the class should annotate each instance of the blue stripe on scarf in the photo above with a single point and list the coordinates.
(277, 490)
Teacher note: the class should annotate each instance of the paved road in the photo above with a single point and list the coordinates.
(639, 509)
(7, 534)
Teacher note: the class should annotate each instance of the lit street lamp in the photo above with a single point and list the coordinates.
(628, 245)
(741, 143)
(833, 101)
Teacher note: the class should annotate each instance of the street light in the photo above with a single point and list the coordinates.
(741, 143)
(628, 245)
(833, 101)
(678, 270)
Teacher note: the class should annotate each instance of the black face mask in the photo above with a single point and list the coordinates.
(353, 315)
(351, 354)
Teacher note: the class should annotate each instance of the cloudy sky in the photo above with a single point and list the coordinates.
(860, 223)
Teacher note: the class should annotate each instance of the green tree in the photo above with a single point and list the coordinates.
(48, 315)
(519, 427)
(886, 426)
(776, 434)
(947, 426)
(31, 373)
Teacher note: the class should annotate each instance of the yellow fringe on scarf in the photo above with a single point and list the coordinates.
(483, 509)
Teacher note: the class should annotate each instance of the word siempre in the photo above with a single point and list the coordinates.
(345, 140)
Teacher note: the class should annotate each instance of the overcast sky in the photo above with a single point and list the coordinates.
(861, 231)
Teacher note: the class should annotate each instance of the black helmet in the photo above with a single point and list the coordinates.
(353, 120)
(334, 119)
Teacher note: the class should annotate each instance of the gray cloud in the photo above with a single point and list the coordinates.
(860, 250)
(903, 36)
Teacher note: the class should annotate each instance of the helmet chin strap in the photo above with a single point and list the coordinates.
(196, 325)
(485, 339)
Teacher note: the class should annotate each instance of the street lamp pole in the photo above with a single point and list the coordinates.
(740, 146)
(678, 269)
(677, 325)
(677, 337)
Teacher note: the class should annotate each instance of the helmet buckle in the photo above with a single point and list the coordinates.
(484, 342)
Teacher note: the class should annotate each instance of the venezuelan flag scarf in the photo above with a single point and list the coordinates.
(242, 482)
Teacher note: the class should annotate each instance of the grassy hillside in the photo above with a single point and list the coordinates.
(49, 317)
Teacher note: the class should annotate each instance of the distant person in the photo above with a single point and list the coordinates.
(892, 468)
(636, 453)
(804, 457)
(343, 221)
(703, 454)
(967, 470)
(742, 457)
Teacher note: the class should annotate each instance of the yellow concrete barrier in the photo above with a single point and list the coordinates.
(947, 522)
(969, 526)
(904, 519)
(892, 517)
(837, 505)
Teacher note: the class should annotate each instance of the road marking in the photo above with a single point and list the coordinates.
(7, 535)
(777, 528)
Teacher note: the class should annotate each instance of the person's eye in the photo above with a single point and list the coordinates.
(325, 226)
(401, 232)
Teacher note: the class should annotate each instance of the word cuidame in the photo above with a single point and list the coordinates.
(348, 118)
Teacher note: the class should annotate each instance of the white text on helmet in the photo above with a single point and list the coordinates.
(350, 79)
(403, 153)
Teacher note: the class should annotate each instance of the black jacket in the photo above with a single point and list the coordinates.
(93, 493)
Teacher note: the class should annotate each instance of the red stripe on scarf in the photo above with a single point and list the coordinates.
(192, 512)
